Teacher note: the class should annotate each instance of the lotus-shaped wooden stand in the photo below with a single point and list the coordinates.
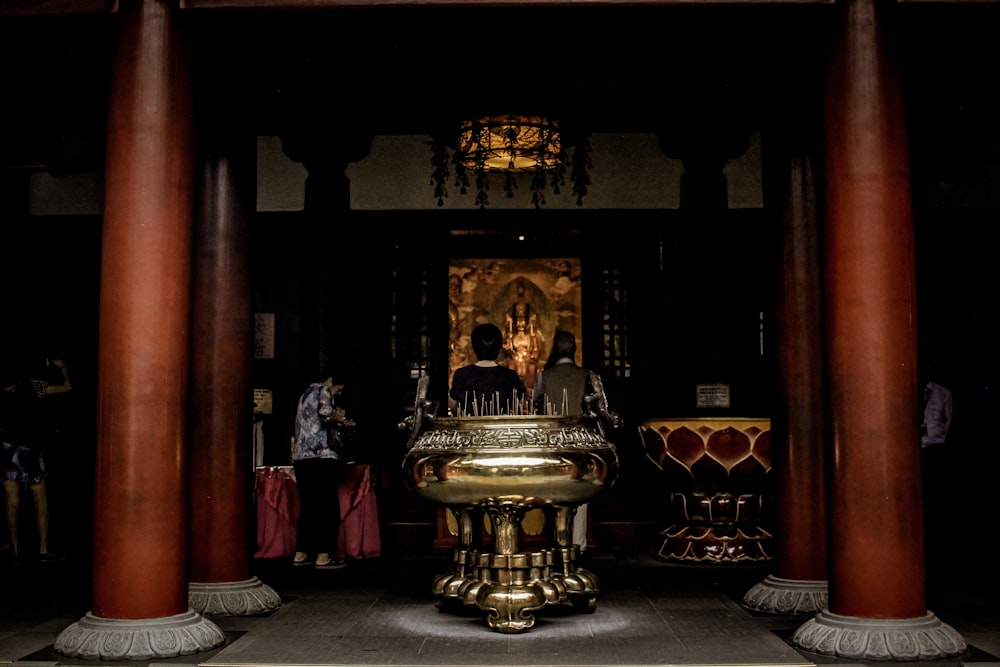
(499, 467)
(718, 471)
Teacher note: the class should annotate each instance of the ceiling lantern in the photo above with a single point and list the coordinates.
(511, 145)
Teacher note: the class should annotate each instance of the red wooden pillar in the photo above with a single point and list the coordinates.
(802, 542)
(140, 533)
(876, 583)
(799, 583)
(221, 400)
(871, 326)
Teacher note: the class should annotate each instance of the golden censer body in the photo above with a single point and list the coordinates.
(497, 468)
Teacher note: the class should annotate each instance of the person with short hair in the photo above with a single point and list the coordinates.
(486, 388)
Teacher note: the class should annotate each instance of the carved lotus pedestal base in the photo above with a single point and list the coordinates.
(867, 639)
(233, 598)
(97, 638)
(790, 597)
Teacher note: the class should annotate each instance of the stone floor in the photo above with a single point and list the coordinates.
(381, 612)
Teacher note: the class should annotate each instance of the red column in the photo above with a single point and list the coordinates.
(800, 437)
(140, 518)
(876, 531)
(877, 608)
(141, 485)
(221, 402)
(798, 585)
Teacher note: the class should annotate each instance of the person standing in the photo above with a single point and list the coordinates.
(937, 417)
(486, 388)
(562, 384)
(938, 474)
(26, 434)
(559, 390)
(318, 461)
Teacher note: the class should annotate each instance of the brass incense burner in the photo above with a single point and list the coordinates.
(497, 468)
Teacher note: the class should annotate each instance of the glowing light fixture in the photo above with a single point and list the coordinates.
(511, 144)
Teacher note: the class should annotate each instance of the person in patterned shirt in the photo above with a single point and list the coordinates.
(318, 461)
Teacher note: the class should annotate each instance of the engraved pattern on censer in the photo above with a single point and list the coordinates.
(499, 468)
(522, 436)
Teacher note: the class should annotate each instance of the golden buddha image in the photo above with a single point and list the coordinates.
(522, 340)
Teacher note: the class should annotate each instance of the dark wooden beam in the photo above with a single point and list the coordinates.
(330, 4)
(43, 7)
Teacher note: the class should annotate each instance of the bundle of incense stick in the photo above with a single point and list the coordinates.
(550, 407)
(481, 407)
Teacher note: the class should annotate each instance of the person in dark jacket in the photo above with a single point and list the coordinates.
(485, 387)
(562, 384)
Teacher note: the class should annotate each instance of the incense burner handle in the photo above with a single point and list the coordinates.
(597, 403)
(421, 407)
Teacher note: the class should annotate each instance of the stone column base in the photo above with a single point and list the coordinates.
(908, 639)
(233, 598)
(789, 597)
(98, 638)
